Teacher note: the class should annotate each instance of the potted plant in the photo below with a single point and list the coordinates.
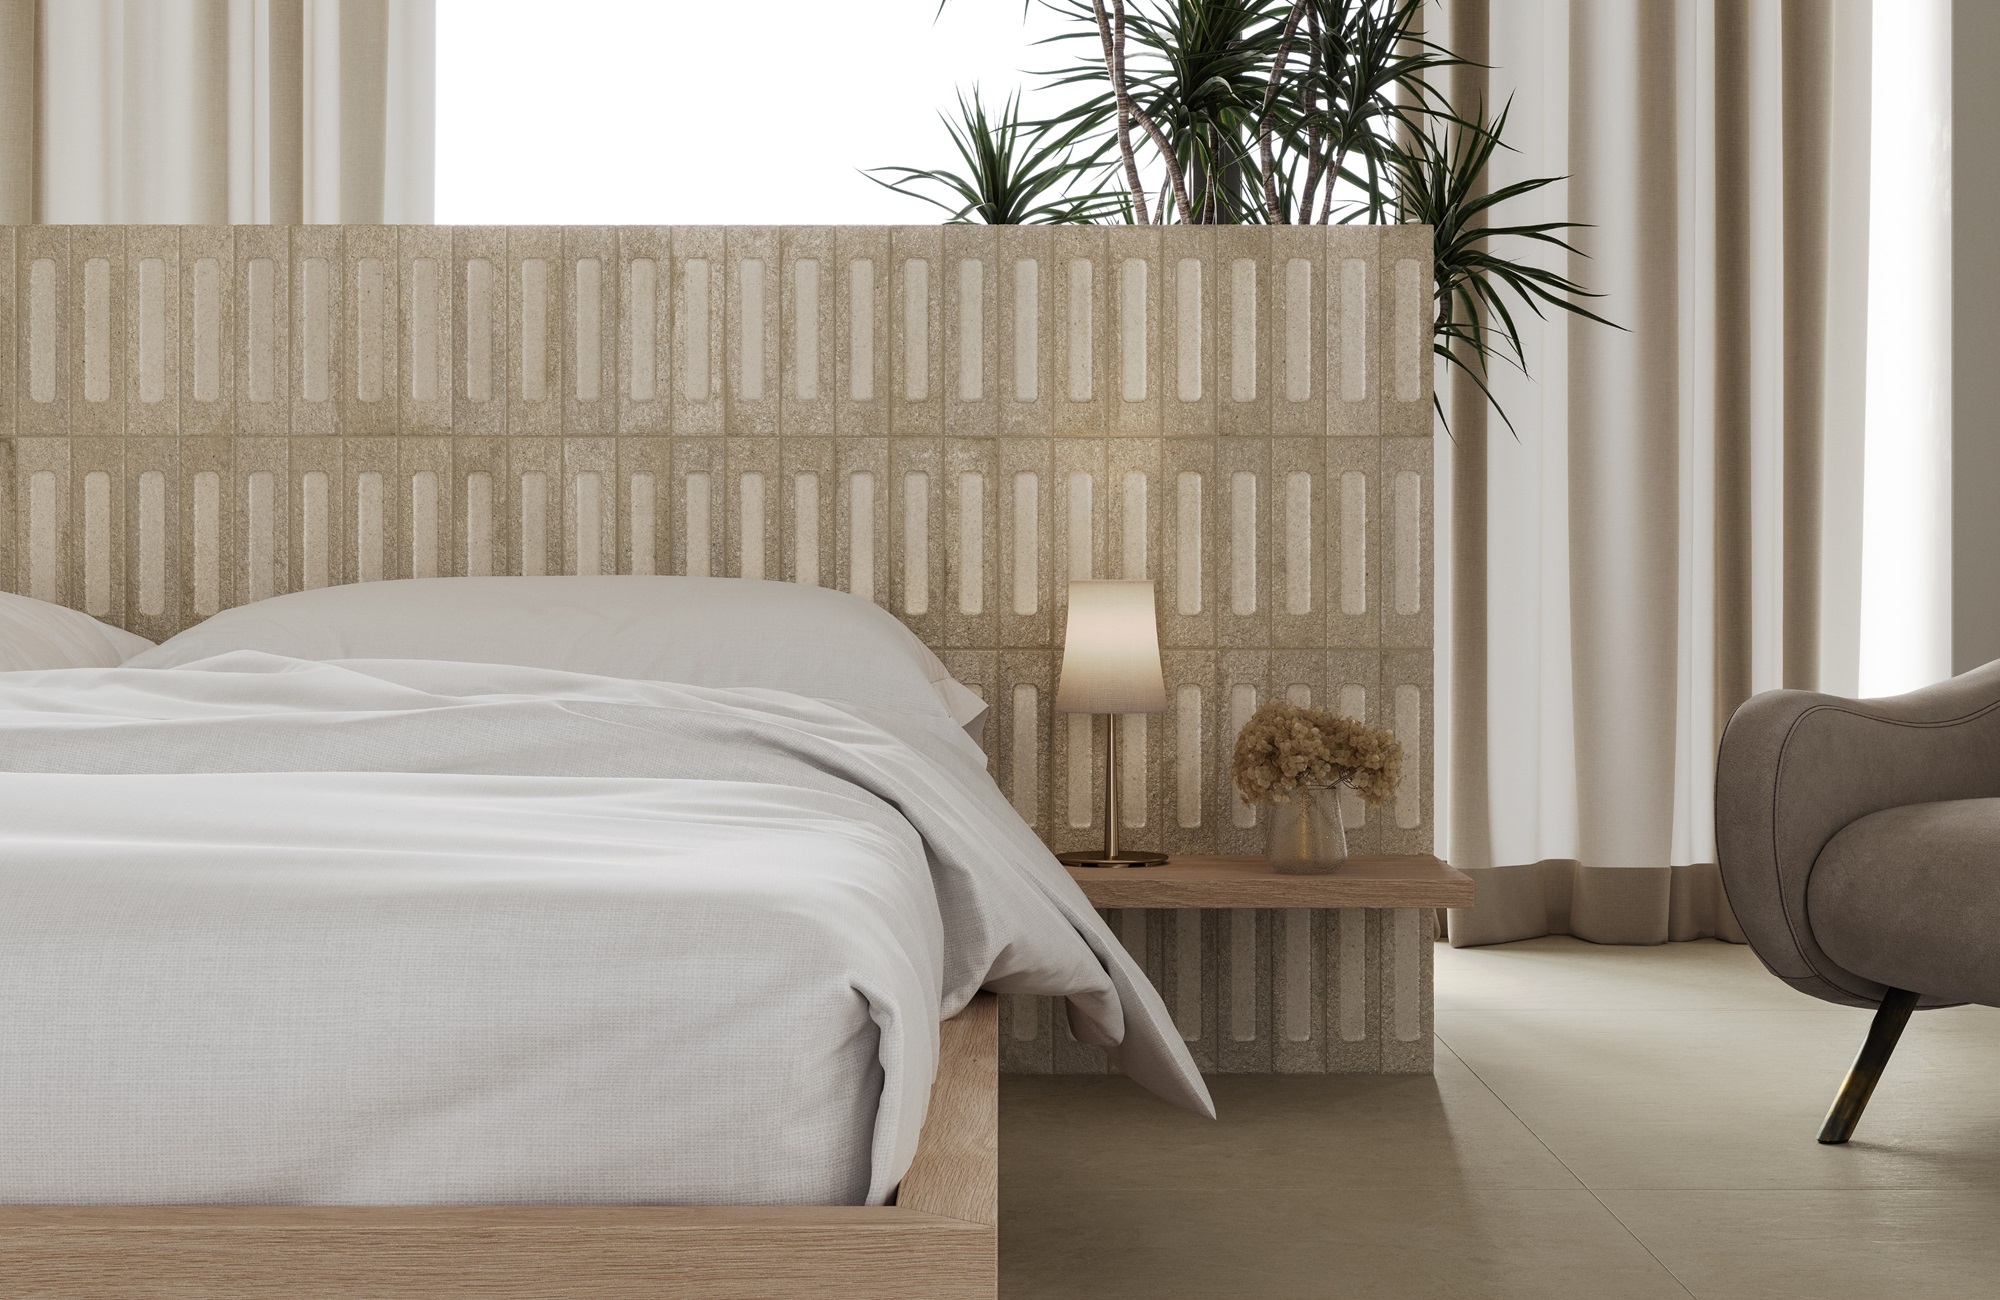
(1296, 760)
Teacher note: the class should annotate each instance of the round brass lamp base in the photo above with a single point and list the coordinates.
(1099, 858)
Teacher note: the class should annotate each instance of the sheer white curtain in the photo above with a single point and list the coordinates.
(1905, 624)
(1678, 520)
(212, 111)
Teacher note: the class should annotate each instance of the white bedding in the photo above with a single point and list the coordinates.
(396, 932)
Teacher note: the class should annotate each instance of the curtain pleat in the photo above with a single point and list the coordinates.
(1624, 443)
(1467, 36)
(1646, 552)
(214, 111)
(1807, 178)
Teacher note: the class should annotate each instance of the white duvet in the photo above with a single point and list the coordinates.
(401, 932)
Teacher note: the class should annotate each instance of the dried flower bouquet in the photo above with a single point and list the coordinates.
(1284, 748)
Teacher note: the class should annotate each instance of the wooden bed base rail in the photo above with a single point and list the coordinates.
(938, 1242)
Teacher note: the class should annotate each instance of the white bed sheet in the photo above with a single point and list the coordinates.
(404, 933)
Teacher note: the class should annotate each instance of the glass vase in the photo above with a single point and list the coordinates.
(1305, 833)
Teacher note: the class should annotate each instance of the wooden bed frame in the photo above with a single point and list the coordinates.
(939, 1241)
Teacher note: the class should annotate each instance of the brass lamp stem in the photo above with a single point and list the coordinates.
(1113, 854)
(1111, 786)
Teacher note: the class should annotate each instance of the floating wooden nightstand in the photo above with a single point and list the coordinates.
(1266, 974)
(1367, 880)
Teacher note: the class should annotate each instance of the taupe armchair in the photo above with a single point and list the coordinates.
(1859, 844)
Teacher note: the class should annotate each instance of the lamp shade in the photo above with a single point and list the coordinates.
(1111, 650)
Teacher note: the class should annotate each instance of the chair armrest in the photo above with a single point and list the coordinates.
(1795, 767)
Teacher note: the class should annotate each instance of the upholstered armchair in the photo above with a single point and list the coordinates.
(1859, 843)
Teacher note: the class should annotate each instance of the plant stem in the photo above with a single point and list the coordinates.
(1114, 68)
(1270, 104)
(1114, 50)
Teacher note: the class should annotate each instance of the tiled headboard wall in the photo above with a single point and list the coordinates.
(952, 421)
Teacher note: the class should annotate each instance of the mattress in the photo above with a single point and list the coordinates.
(391, 932)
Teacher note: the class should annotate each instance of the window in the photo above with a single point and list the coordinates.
(669, 112)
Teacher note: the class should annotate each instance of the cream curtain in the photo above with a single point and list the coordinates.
(1671, 527)
(212, 111)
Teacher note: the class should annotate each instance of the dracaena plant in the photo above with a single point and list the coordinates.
(1479, 290)
(1278, 112)
(1015, 173)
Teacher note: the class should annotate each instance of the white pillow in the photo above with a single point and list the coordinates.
(37, 635)
(700, 631)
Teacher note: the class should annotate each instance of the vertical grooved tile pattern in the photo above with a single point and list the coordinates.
(917, 279)
(372, 401)
(101, 323)
(319, 302)
(752, 330)
(700, 315)
(206, 356)
(479, 332)
(952, 422)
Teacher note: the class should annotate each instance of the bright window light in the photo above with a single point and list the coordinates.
(679, 112)
(1906, 484)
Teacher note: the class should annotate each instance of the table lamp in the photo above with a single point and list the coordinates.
(1111, 665)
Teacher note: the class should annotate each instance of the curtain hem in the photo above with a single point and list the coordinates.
(1615, 905)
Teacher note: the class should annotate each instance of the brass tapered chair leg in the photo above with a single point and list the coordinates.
(1890, 1017)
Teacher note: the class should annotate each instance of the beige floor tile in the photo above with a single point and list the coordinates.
(1317, 1132)
(1559, 971)
(1683, 1085)
(1409, 1245)
(1733, 1099)
(1860, 1245)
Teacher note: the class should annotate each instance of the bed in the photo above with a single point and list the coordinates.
(338, 959)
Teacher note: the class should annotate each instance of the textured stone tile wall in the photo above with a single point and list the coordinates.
(951, 421)
(1294, 991)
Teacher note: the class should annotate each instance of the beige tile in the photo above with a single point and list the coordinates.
(1403, 541)
(590, 506)
(862, 294)
(1733, 1099)
(372, 354)
(1134, 370)
(536, 378)
(1840, 1245)
(1079, 340)
(809, 293)
(755, 292)
(100, 323)
(1026, 325)
(319, 365)
(1688, 1066)
(915, 286)
(152, 342)
(1275, 1245)
(590, 330)
(426, 272)
(1404, 306)
(8, 377)
(42, 330)
(1353, 325)
(646, 519)
(1298, 338)
(1244, 372)
(1559, 972)
(646, 349)
(479, 288)
(376, 532)
(700, 306)
(11, 512)
(1300, 1133)
(1187, 331)
(968, 333)
(968, 520)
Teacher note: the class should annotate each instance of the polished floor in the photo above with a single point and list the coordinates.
(1604, 1124)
